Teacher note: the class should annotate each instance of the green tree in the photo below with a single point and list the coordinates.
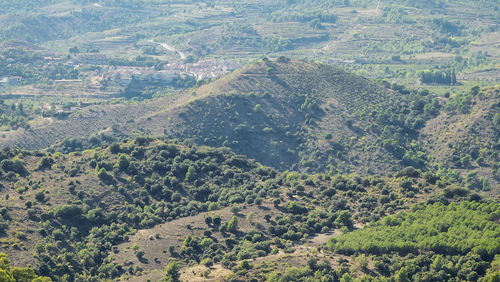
(12, 274)
(4, 261)
(104, 175)
(23, 274)
(190, 174)
(6, 276)
(295, 208)
(16, 165)
(346, 278)
(40, 196)
(232, 225)
(74, 50)
(45, 162)
(405, 274)
(491, 277)
(123, 162)
(172, 272)
(344, 219)
(245, 265)
(114, 148)
(257, 108)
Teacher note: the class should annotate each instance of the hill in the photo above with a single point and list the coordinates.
(286, 114)
(67, 214)
(425, 243)
(49, 201)
(180, 140)
(302, 115)
(465, 137)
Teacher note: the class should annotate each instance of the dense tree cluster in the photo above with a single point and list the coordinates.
(438, 77)
(438, 240)
(12, 274)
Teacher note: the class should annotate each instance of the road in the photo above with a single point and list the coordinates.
(170, 48)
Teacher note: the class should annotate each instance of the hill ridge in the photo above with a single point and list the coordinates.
(287, 110)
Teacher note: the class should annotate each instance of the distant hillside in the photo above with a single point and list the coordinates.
(466, 137)
(286, 114)
(297, 140)
(39, 22)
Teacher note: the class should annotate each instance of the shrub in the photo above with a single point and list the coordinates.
(208, 220)
(406, 184)
(104, 175)
(140, 255)
(496, 121)
(15, 165)
(245, 265)
(45, 162)
(295, 208)
(115, 148)
(40, 196)
(276, 202)
(232, 225)
(344, 219)
(408, 172)
(190, 174)
(68, 211)
(207, 262)
(171, 250)
(172, 272)
(58, 235)
(123, 162)
(216, 219)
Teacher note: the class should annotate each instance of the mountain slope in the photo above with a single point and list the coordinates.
(286, 114)
(72, 215)
(44, 195)
(465, 136)
(296, 115)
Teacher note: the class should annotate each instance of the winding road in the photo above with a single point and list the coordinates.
(170, 48)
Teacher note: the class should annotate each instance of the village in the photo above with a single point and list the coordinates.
(97, 66)
(201, 70)
(99, 78)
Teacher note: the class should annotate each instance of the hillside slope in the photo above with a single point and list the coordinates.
(465, 136)
(286, 114)
(116, 211)
(103, 194)
(279, 114)
(301, 115)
